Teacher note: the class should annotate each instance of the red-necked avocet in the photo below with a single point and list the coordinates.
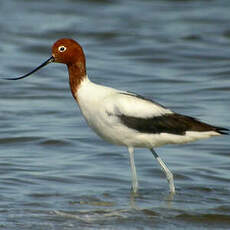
(125, 118)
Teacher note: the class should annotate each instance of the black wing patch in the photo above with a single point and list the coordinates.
(169, 123)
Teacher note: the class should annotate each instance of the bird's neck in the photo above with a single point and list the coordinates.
(77, 73)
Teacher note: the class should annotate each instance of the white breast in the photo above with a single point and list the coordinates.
(91, 99)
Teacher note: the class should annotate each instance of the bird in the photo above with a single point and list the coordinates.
(124, 118)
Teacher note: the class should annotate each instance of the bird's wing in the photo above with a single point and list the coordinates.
(146, 116)
(133, 105)
(137, 112)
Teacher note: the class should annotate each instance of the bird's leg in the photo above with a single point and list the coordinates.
(133, 170)
(167, 172)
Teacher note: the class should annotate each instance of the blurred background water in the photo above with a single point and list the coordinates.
(55, 173)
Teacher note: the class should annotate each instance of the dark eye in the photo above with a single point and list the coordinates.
(61, 48)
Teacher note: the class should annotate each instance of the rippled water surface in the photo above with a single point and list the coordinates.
(55, 173)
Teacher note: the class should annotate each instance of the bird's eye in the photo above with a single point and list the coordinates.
(61, 48)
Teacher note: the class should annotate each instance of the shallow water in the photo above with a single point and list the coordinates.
(55, 173)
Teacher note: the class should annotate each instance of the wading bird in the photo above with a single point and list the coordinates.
(125, 118)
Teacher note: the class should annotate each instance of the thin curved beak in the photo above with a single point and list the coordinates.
(51, 59)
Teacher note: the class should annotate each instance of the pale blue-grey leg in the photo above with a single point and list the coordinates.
(133, 170)
(167, 172)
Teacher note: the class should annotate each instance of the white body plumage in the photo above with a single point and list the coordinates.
(100, 106)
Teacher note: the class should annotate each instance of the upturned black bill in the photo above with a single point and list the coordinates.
(51, 59)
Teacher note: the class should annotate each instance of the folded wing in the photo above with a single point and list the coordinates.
(146, 116)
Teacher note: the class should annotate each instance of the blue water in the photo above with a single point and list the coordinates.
(55, 173)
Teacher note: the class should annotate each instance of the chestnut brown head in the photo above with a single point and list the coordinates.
(66, 51)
